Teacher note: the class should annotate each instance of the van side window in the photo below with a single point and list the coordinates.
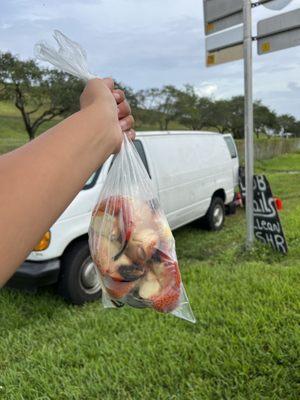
(140, 149)
(231, 147)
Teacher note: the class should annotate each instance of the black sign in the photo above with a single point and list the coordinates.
(267, 226)
(242, 184)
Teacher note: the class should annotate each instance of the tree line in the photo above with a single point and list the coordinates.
(42, 94)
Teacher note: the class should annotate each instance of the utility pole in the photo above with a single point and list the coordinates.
(249, 141)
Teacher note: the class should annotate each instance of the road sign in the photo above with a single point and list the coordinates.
(225, 39)
(223, 56)
(222, 14)
(224, 23)
(279, 32)
(217, 9)
(224, 47)
(276, 4)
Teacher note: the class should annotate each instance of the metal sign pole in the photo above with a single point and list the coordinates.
(249, 143)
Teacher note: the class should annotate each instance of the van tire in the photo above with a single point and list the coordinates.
(215, 216)
(74, 285)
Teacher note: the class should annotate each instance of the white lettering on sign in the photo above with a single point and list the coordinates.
(264, 207)
(276, 241)
(263, 225)
(260, 183)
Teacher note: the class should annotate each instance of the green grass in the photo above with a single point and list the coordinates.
(12, 131)
(245, 344)
(287, 162)
(7, 108)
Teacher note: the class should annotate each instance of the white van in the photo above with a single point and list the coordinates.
(194, 173)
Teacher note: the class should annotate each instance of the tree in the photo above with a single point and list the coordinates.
(288, 123)
(219, 116)
(228, 115)
(296, 129)
(39, 94)
(265, 120)
(160, 105)
(191, 110)
(166, 105)
(236, 116)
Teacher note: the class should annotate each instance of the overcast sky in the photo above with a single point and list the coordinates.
(150, 43)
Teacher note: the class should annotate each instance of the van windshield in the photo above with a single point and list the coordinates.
(92, 180)
(140, 149)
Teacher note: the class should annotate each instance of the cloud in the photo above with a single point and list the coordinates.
(4, 26)
(207, 89)
(294, 87)
(284, 101)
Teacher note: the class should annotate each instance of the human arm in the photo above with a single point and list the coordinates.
(40, 179)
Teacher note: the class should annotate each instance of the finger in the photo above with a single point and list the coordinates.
(124, 109)
(127, 123)
(109, 83)
(119, 95)
(130, 134)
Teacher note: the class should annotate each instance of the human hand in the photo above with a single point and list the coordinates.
(100, 95)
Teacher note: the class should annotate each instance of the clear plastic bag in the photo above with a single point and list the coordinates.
(70, 57)
(132, 244)
(130, 239)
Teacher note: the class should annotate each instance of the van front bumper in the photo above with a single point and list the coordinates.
(33, 274)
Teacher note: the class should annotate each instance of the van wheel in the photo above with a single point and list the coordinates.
(215, 216)
(79, 280)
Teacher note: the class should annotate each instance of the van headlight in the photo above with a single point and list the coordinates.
(44, 243)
